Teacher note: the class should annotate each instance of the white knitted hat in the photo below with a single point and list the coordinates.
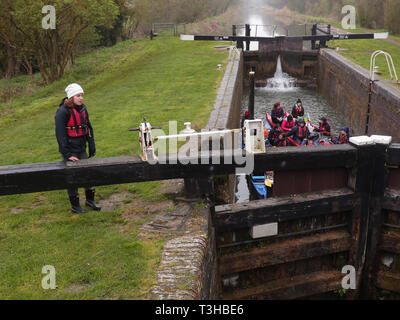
(73, 89)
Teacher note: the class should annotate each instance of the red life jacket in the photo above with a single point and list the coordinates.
(77, 124)
(302, 132)
(286, 125)
(299, 111)
(276, 134)
(324, 127)
(279, 113)
(282, 143)
(343, 139)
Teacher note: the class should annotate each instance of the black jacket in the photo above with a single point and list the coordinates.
(295, 133)
(275, 114)
(294, 112)
(273, 136)
(72, 146)
(324, 128)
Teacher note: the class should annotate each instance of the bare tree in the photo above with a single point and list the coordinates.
(52, 49)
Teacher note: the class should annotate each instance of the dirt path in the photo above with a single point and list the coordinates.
(393, 41)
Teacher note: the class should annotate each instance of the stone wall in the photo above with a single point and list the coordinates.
(188, 268)
(228, 104)
(345, 85)
(225, 115)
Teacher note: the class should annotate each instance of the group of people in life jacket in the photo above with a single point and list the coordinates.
(285, 125)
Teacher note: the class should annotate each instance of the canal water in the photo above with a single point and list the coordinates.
(315, 106)
(261, 25)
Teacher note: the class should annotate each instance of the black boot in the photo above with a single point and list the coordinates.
(90, 200)
(76, 207)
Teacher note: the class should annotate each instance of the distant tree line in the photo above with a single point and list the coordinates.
(374, 14)
(147, 12)
(26, 48)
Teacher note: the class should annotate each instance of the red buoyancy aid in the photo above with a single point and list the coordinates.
(299, 111)
(302, 132)
(324, 127)
(286, 125)
(343, 139)
(282, 143)
(77, 124)
(279, 113)
(276, 133)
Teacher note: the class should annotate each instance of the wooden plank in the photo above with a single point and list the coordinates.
(392, 219)
(95, 172)
(291, 288)
(391, 200)
(394, 178)
(379, 181)
(290, 157)
(286, 251)
(393, 154)
(361, 179)
(388, 281)
(309, 180)
(293, 158)
(390, 242)
(246, 215)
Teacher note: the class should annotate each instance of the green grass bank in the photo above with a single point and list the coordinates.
(97, 255)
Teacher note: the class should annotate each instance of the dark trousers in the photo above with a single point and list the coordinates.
(74, 192)
(299, 140)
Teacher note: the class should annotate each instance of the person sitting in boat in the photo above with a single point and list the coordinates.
(266, 133)
(277, 113)
(344, 136)
(244, 117)
(281, 141)
(300, 133)
(298, 109)
(267, 143)
(309, 143)
(313, 139)
(324, 127)
(274, 133)
(288, 124)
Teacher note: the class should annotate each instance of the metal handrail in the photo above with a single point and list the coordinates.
(274, 28)
(389, 61)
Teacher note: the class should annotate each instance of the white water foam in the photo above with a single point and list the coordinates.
(281, 80)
